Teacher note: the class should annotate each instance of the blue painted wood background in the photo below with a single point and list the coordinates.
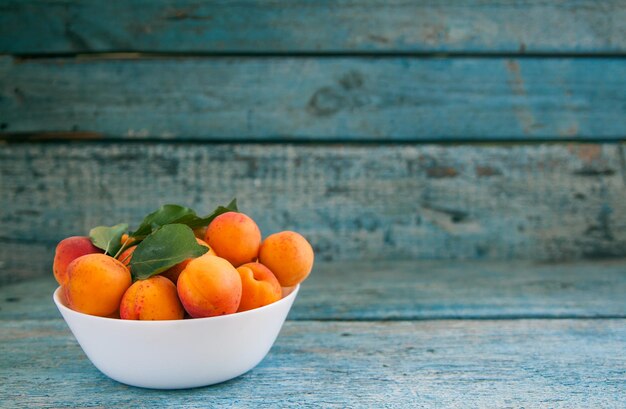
(295, 26)
(448, 160)
(431, 129)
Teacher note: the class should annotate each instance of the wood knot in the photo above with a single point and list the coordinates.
(325, 101)
(346, 95)
(351, 80)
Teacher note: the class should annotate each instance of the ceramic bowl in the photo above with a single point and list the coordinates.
(177, 354)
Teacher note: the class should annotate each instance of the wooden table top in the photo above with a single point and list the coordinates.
(401, 334)
(392, 129)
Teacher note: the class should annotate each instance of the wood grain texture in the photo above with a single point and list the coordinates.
(417, 290)
(24, 260)
(251, 26)
(522, 363)
(315, 99)
(369, 202)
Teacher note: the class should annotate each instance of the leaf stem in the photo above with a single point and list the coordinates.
(125, 258)
(121, 248)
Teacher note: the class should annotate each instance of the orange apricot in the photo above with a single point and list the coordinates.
(96, 284)
(174, 272)
(127, 255)
(200, 232)
(235, 237)
(209, 286)
(259, 286)
(285, 291)
(289, 256)
(126, 239)
(68, 250)
(152, 299)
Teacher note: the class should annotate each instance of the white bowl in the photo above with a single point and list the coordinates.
(181, 353)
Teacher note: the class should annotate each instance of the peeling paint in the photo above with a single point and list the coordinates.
(522, 110)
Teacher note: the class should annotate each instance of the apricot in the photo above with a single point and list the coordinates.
(68, 250)
(200, 232)
(259, 286)
(126, 239)
(96, 284)
(285, 291)
(235, 237)
(289, 256)
(152, 299)
(174, 272)
(209, 286)
(127, 255)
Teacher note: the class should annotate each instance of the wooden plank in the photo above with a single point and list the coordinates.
(353, 202)
(410, 290)
(522, 363)
(24, 260)
(251, 26)
(315, 99)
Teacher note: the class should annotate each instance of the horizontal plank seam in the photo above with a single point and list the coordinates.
(95, 138)
(386, 320)
(512, 317)
(130, 54)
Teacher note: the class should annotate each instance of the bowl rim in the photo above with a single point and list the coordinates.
(56, 297)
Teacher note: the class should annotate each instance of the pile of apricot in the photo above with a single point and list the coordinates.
(239, 272)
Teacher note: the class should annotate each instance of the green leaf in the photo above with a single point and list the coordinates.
(108, 238)
(205, 221)
(232, 205)
(166, 214)
(171, 213)
(166, 247)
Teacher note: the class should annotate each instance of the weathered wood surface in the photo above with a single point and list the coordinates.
(369, 202)
(23, 260)
(416, 290)
(330, 99)
(323, 359)
(521, 363)
(256, 26)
